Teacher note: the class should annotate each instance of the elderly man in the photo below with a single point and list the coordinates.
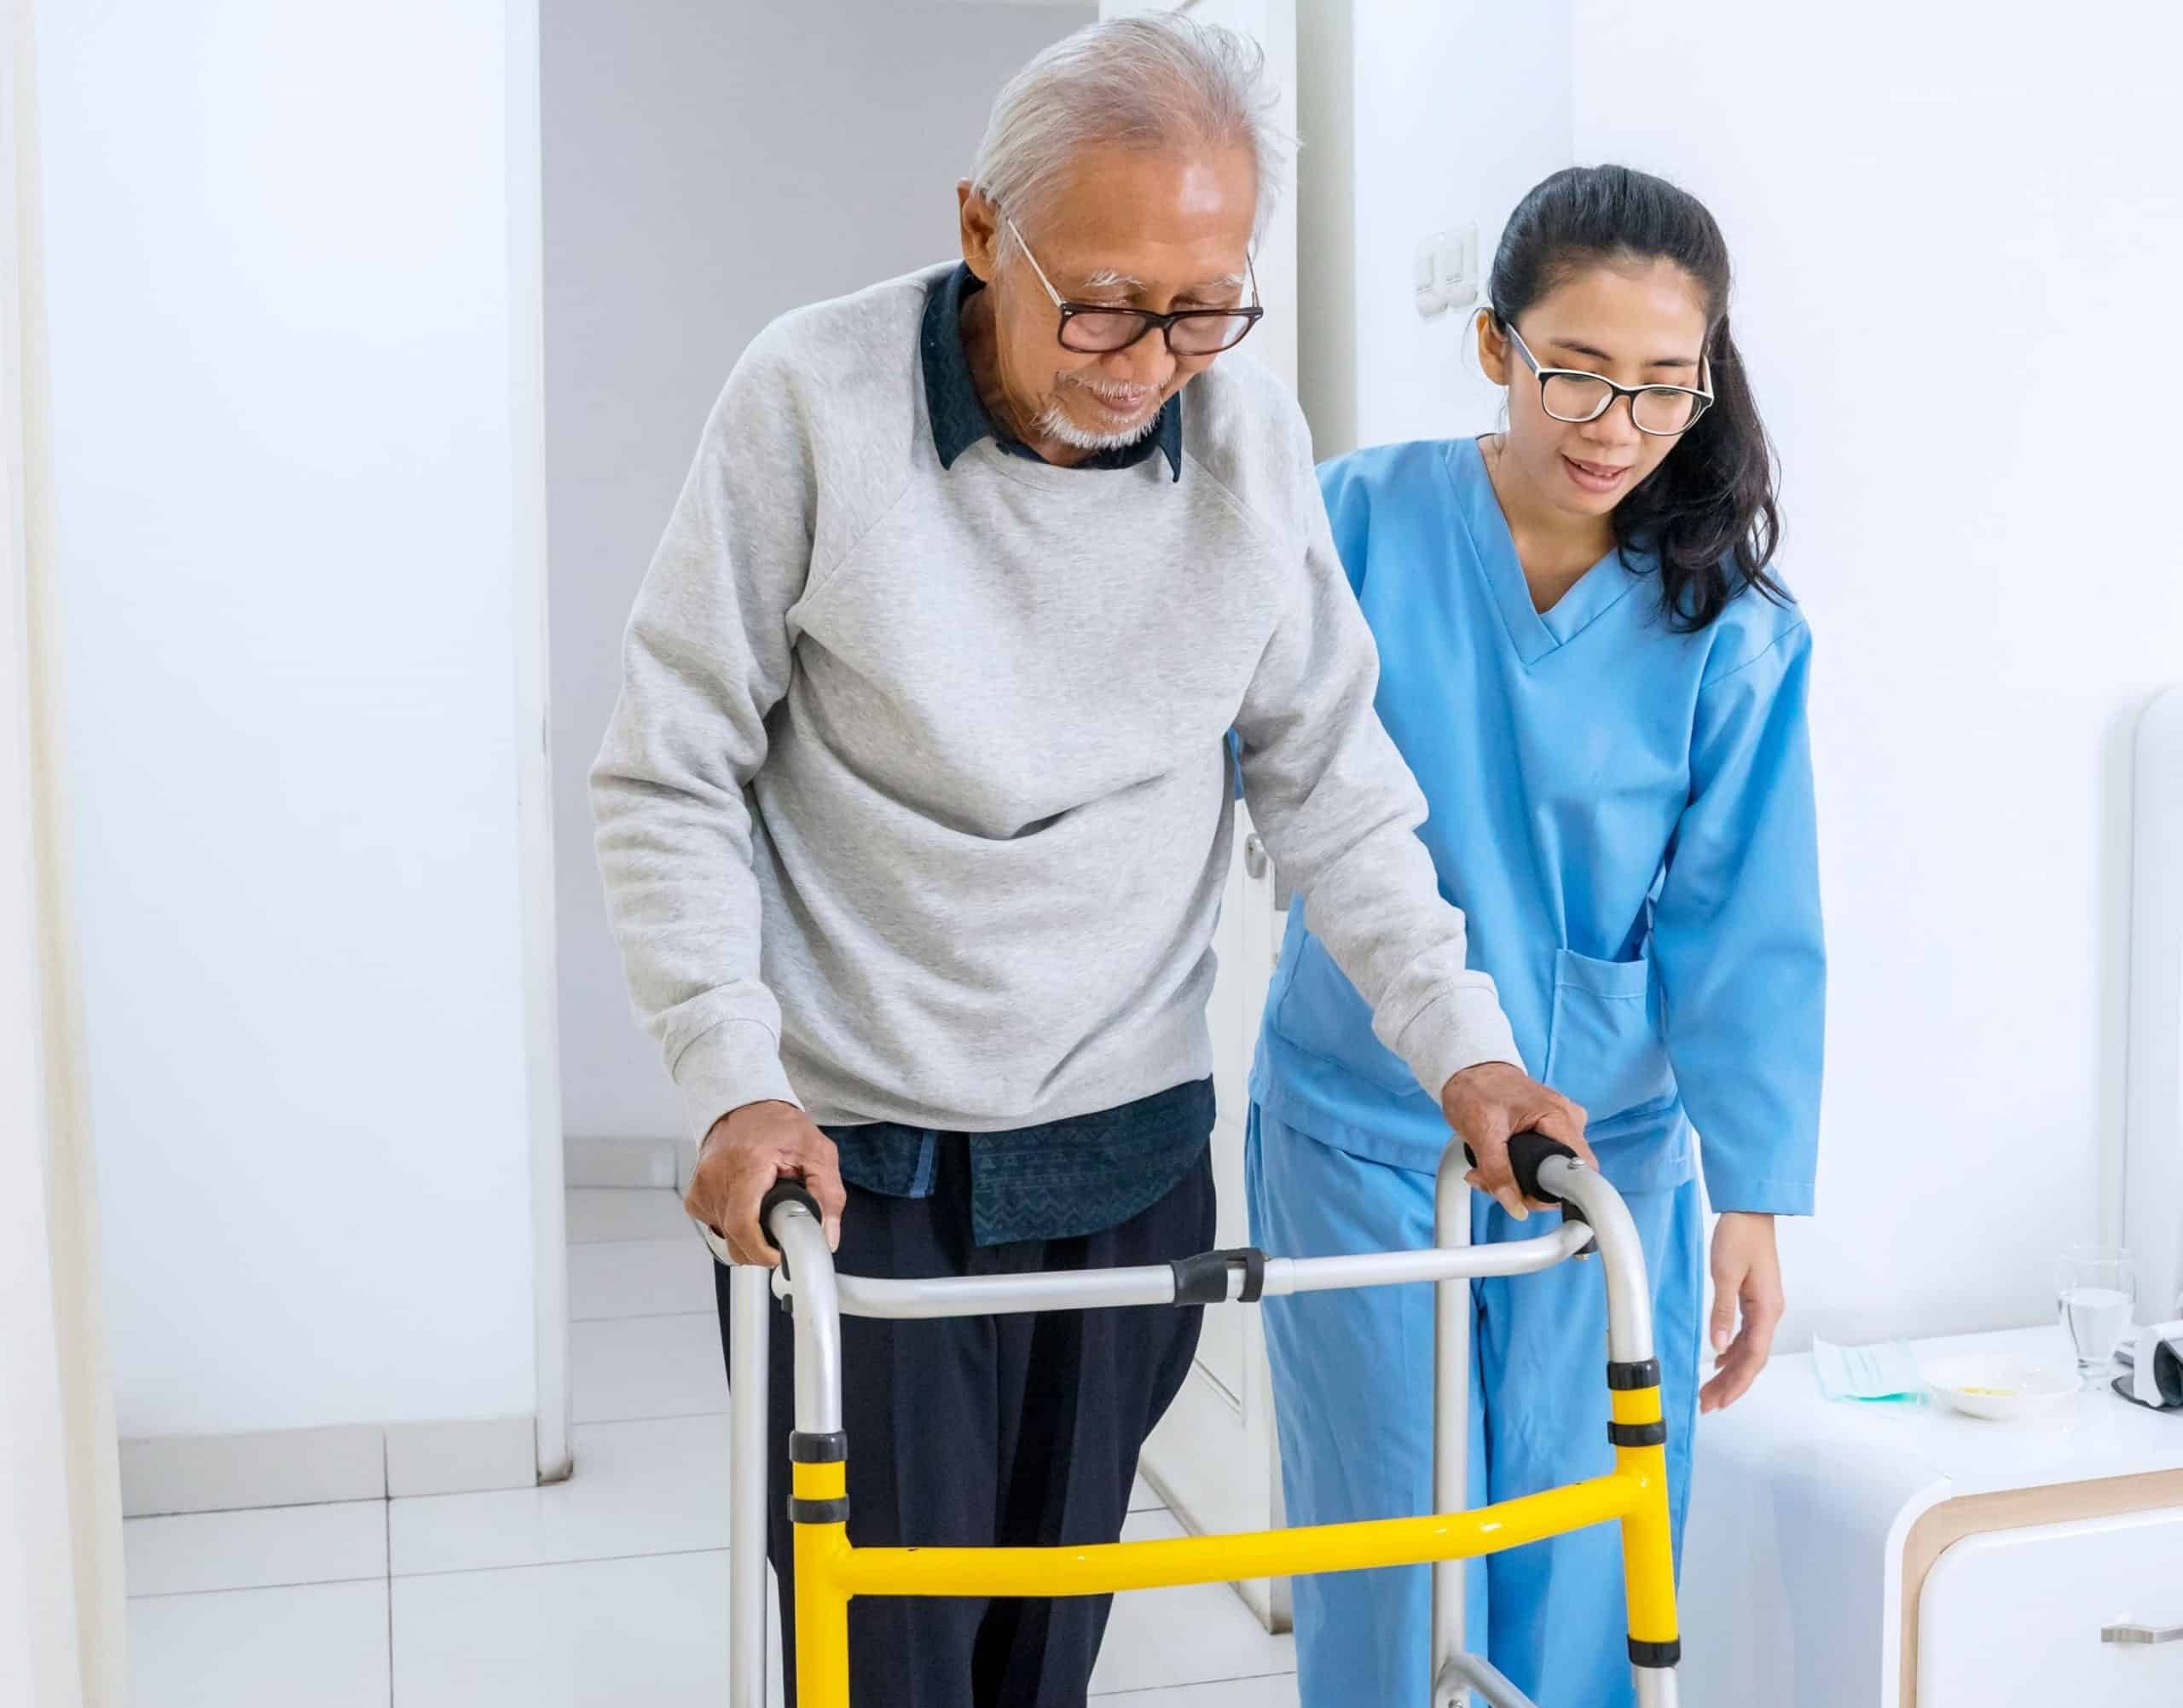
(914, 811)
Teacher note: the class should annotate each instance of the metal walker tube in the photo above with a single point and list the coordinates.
(749, 1324)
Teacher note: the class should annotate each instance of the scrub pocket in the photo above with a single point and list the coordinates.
(1605, 1045)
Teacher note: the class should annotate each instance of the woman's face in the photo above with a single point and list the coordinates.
(1642, 323)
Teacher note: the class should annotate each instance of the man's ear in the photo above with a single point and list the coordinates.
(981, 231)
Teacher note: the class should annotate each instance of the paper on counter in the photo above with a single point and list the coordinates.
(1885, 1372)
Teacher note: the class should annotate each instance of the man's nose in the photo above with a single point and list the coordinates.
(1146, 362)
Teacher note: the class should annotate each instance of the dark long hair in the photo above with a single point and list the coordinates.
(1709, 512)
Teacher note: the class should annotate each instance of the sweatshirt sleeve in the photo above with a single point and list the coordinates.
(1340, 810)
(1737, 938)
(706, 657)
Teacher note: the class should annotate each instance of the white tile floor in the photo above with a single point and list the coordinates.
(610, 1588)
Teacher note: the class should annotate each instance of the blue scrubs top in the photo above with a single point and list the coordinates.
(1624, 815)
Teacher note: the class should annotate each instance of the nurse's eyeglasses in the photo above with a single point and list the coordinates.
(1093, 328)
(1571, 395)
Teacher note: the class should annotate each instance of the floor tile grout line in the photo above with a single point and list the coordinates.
(285, 1506)
(662, 1418)
(548, 1564)
(252, 1589)
(1198, 1684)
(389, 1575)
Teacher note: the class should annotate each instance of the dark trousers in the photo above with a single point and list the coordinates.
(985, 1431)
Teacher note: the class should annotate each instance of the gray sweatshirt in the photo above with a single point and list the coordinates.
(916, 804)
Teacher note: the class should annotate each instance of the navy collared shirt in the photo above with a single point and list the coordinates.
(1091, 1171)
(959, 419)
(1045, 1183)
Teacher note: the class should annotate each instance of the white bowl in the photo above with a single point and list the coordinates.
(2001, 1387)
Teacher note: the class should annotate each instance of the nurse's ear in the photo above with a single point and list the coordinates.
(1492, 347)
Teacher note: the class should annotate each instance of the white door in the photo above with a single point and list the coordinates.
(1213, 1458)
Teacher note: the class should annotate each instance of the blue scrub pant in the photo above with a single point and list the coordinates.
(1353, 1377)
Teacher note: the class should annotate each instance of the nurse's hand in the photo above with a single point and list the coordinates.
(1746, 1278)
(1485, 1103)
(741, 1157)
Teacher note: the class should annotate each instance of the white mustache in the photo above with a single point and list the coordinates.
(1121, 397)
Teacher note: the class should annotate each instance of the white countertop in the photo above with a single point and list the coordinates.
(2092, 1434)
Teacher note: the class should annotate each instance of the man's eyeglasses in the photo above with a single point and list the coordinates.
(1570, 394)
(1093, 328)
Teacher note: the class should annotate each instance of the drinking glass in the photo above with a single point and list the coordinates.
(2096, 1289)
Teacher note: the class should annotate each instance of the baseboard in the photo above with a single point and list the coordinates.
(461, 1456)
(660, 1162)
(360, 1461)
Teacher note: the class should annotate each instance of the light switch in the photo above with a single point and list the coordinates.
(1445, 273)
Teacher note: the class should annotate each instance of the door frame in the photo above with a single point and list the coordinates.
(533, 801)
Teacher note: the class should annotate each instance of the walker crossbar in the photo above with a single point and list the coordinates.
(830, 1570)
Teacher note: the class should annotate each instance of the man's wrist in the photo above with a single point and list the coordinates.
(736, 1117)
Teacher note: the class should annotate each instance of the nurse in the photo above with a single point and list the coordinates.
(1600, 682)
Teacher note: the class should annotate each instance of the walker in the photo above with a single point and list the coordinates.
(830, 1569)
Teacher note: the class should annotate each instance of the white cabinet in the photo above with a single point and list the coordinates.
(2016, 1616)
(1845, 1556)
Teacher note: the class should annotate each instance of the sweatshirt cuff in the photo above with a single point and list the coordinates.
(1460, 1030)
(1730, 1191)
(738, 1062)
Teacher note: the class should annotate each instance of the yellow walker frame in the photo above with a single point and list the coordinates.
(830, 1570)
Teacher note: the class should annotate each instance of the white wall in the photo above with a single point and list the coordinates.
(1953, 249)
(1942, 247)
(1418, 116)
(287, 459)
(708, 168)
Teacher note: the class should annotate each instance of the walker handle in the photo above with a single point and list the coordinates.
(788, 1190)
(1527, 1150)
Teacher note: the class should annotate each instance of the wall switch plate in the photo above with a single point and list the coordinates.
(1444, 275)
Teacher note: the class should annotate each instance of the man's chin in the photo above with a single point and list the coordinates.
(1089, 427)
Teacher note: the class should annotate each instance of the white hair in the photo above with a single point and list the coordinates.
(1153, 82)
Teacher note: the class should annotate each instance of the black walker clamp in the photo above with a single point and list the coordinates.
(829, 1449)
(1203, 1279)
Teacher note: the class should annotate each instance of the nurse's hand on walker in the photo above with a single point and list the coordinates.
(1486, 1103)
(746, 1152)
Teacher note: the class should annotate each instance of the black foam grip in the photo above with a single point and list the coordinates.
(784, 1191)
(1526, 1151)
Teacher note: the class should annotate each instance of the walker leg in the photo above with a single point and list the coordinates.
(1638, 1430)
(749, 1323)
(1451, 1308)
(1493, 1687)
(818, 1453)
(1648, 1578)
(822, 1619)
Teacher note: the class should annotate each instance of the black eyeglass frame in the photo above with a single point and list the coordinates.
(1250, 314)
(1702, 396)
